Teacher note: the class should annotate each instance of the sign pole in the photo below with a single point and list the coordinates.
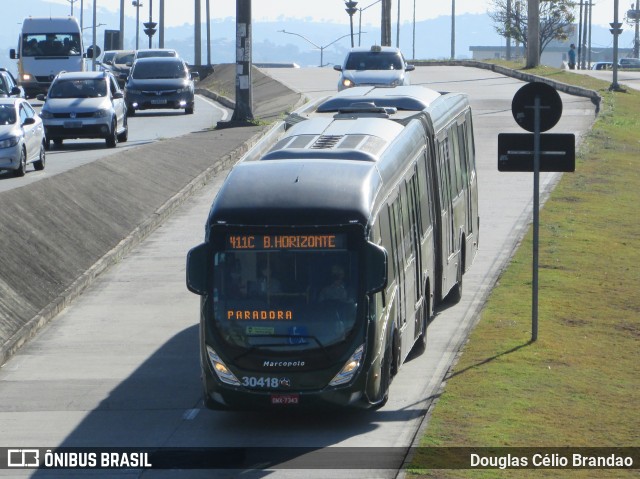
(536, 217)
(536, 153)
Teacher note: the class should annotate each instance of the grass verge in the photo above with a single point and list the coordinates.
(579, 384)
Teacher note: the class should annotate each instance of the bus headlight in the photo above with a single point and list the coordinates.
(27, 77)
(350, 368)
(224, 374)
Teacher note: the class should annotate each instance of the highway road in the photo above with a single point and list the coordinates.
(626, 78)
(119, 367)
(145, 127)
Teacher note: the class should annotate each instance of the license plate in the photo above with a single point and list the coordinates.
(285, 399)
(73, 124)
(158, 102)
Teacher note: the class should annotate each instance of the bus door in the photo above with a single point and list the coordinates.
(458, 185)
(447, 235)
(471, 176)
(398, 255)
(414, 220)
(408, 262)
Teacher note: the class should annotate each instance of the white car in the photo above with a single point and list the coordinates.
(85, 105)
(375, 66)
(21, 136)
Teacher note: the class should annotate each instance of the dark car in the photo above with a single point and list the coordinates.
(9, 86)
(119, 64)
(629, 63)
(159, 82)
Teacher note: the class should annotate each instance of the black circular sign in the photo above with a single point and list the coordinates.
(524, 101)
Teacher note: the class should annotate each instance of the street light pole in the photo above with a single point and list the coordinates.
(615, 31)
(198, 33)
(360, 18)
(121, 34)
(317, 46)
(137, 4)
(453, 29)
(94, 52)
(150, 21)
(533, 33)
(398, 27)
(351, 9)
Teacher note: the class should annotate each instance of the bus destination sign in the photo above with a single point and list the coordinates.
(286, 242)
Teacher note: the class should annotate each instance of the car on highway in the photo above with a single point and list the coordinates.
(119, 65)
(8, 85)
(159, 82)
(155, 52)
(629, 62)
(375, 66)
(22, 139)
(602, 66)
(84, 105)
(107, 57)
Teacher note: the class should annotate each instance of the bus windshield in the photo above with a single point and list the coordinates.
(51, 44)
(300, 297)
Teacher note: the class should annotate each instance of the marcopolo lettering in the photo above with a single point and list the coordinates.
(283, 364)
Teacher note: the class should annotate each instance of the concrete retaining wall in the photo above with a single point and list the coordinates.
(59, 233)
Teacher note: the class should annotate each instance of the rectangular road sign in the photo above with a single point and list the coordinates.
(557, 152)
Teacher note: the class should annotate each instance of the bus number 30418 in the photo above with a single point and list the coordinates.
(264, 382)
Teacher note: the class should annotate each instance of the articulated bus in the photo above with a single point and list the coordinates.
(326, 253)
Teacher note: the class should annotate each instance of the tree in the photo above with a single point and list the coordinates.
(556, 20)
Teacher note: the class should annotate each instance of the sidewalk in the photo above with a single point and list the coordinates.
(60, 233)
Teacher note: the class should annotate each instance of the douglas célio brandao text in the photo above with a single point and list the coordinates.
(549, 461)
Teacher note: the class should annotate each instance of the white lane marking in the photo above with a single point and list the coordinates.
(190, 414)
(225, 113)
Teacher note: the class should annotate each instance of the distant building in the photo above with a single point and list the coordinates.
(554, 55)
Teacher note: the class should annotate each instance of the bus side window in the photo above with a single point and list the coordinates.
(443, 161)
(396, 234)
(471, 147)
(423, 194)
(456, 173)
(406, 211)
(385, 235)
(464, 157)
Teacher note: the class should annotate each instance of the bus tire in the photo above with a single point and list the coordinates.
(456, 291)
(385, 379)
(421, 343)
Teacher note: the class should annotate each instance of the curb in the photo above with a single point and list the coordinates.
(528, 77)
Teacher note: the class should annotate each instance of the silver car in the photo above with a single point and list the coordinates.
(22, 138)
(375, 66)
(85, 105)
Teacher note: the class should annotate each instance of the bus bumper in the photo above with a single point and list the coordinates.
(218, 396)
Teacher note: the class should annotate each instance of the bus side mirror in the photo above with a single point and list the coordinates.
(376, 261)
(198, 269)
(12, 54)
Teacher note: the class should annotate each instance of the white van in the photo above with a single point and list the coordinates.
(46, 47)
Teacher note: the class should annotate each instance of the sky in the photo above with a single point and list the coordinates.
(179, 12)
